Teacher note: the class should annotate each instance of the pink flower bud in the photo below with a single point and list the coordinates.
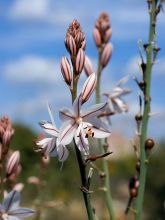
(71, 45)
(106, 55)
(1, 151)
(88, 66)
(88, 87)
(6, 138)
(66, 70)
(108, 35)
(13, 163)
(18, 187)
(80, 60)
(97, 37)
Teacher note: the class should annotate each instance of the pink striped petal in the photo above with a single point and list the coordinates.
(67, 132)
(66, 114)
(49, 128)
(63, 153)
(82, 142)
(94, 111)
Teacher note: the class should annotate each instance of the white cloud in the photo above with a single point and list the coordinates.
(31, 69)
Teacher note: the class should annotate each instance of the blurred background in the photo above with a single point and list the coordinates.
(31, 46)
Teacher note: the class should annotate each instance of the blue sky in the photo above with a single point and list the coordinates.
(32, 43)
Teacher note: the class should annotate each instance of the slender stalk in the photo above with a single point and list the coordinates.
(106, 183)
(146, 111)
(84, 181)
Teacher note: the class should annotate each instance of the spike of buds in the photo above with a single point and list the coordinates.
(106, 55)
(97, 37)
(88, 68)
(66, 70)
(88, 87)
(13, 163)
(80, 59)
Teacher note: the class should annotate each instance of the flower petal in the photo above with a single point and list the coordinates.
(94, 111)
(77, 106)
(119, 105)
(11, 200)
(63, 153)
(49, 128)
(100, 129)
(67, 132)
(51, 115)
(47, 146)
(22, 212)
(81, 141)
(66, 114)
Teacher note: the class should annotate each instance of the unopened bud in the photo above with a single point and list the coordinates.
(6, 138)
(106, 55)
(19, 187)
(88, 66)
(138, 166)
(70, 45)
(80, 61)
(97, 37)
(108, 34)
(66, 70)
(88, 87)
(13, 163)
(149, 144)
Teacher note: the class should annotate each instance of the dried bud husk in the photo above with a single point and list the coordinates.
(13, 163)
(149, 144)
(88, 87)
(66, 70)
(88, 68)
(106, 55)
(80, 59)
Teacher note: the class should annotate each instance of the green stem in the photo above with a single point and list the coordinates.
(146, 111)
(106, 183)
(84, 181)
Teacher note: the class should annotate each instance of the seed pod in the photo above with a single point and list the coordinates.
(13, 163)
(106, 55)
(88, 66)
(97, 37)
(66, 70)
(88, 87)
(149, 144)
(133, 192)
(80, 61)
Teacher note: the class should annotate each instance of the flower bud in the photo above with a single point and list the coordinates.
(13, 163)
(70, 45)
(88, 66)
(88, 87)
(133, 192)
(66, 70)
(106, 55)
(80, 61)
(108, 35)
(97, 37)
(149, 144)
(6, 138)
(19, 187)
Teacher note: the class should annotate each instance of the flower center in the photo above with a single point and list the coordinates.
(79, 120)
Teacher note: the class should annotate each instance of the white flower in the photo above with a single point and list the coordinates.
(79, 125)
(10, 210)
(115, 101)
(48, 146)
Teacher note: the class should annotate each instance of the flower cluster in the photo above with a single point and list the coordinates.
(77, 125)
